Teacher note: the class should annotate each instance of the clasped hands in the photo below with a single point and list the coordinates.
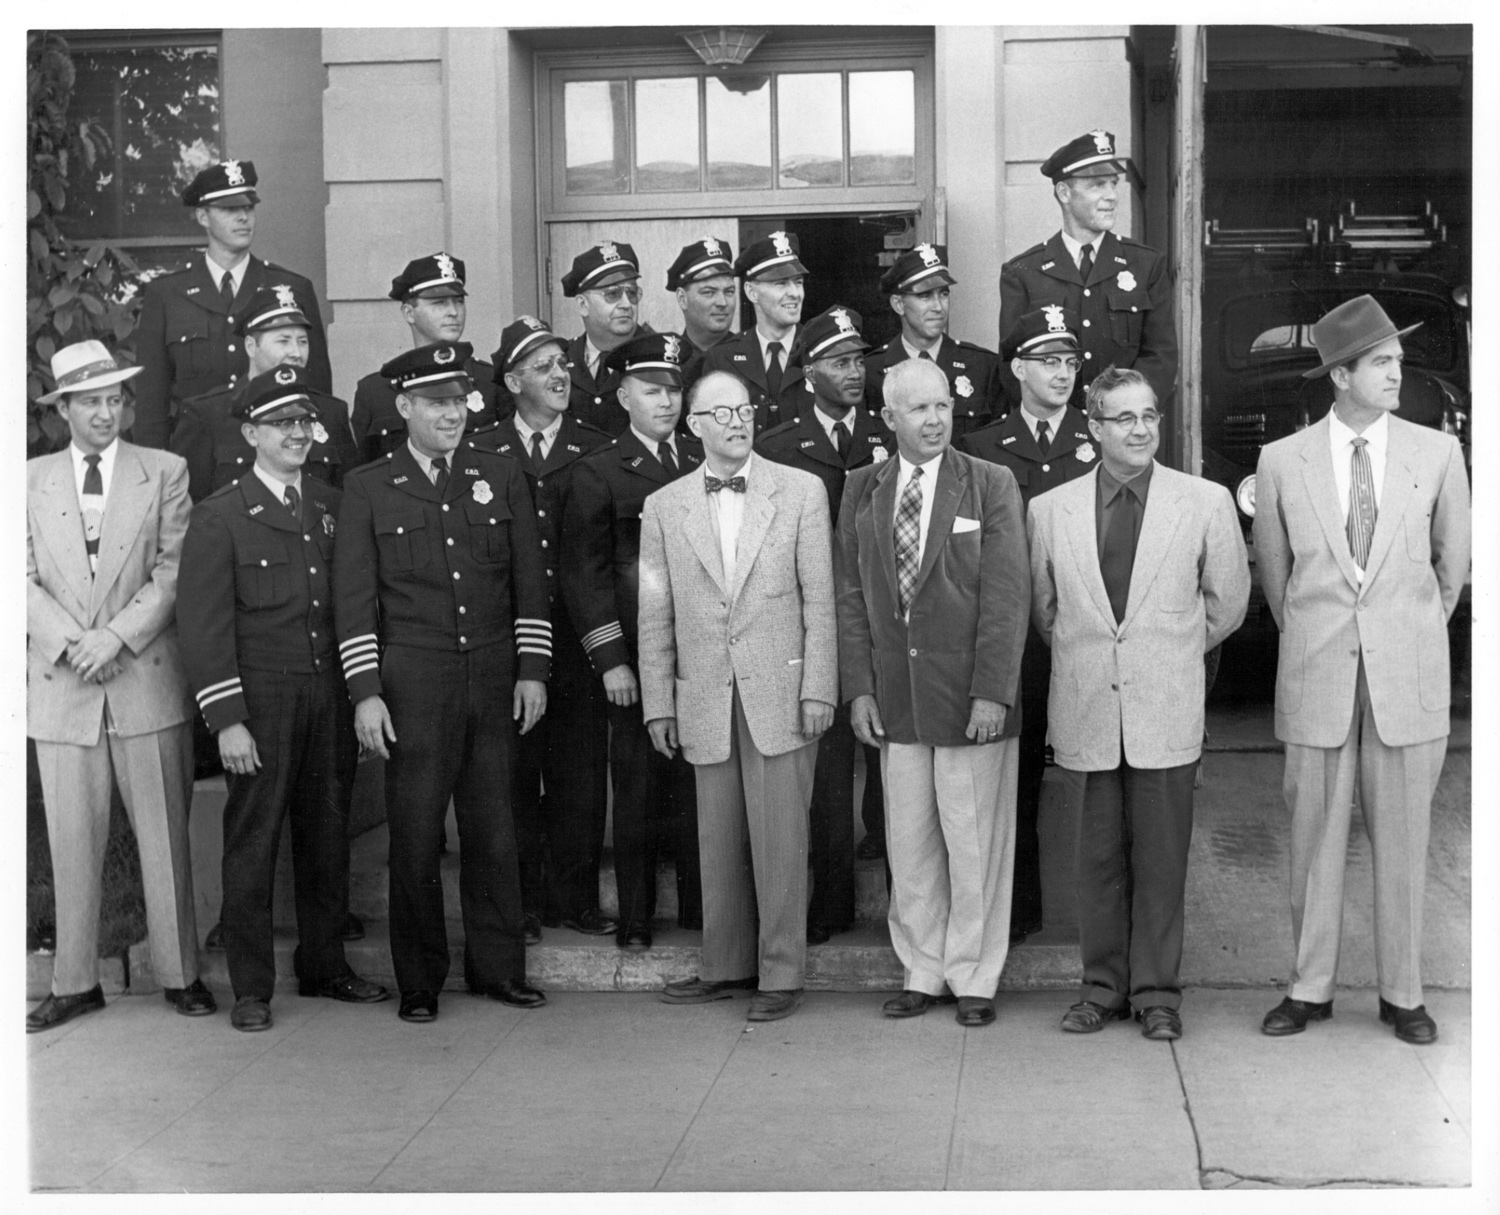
(92, 655)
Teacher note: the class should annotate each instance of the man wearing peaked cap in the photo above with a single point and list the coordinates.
(256, 617)
(655, 798)
(605, 280)
(1117, 288)
(830, 440)
(918, 286)
(1044, 443)
(703, 279)
(442, 614)
(186, 339)
(432, 298)
(559, 832)
(774, 283)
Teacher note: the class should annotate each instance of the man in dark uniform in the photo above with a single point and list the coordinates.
(605, 280)
(1044, 443)
(434, 306)
(1117, 288)
(440, 601)
(185, 342)
(559, 834)
(774, 281)
(255, 615)
(210, 434)
(656, 801)
(918, 286)
(703, 279)
(829, 440)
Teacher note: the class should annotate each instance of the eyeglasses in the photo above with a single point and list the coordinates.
(556, 363)
(724, 413)
(287, 425)
(613, 295)
(1127, 421)
(1053, 363)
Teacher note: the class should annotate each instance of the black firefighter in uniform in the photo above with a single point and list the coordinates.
(605, 280)
(918, 285)
(434, 306)
(1116, 288)
(210, 432)
(255, 614)
(185, 341)
(656, 798)
(834, 437)
(440, 601)
(1044, 442)
(559, 833)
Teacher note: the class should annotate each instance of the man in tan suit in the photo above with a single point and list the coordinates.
(739, 666)
(106, 698)
(1137, 570)
(1362, 534)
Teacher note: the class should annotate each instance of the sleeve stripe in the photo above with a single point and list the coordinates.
(527, 649)
(604, 634)
(527, 624)
(214, 687)
(359, 669)
(364, 639)
(205, 701)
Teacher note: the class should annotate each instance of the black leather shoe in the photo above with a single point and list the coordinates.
(214, 941)
(1291, 1016)
(515, 992)
(591, 923)
(974, 1010)
(349, 988)
(773, 1005)
(701, 991)
(817, 934)
(635, 937)
(249, 1014)
(1086, 1017)
(913, 1003)
(1412, 1024)
(354, 928)
(533, 929)
(871, 848)
(55, 1010)
(195, 1000)
(418, 1006)
(1159, 1023)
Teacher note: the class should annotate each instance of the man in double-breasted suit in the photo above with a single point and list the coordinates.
(934, 592)
(106, 698)
(1362, 537)
(1137, 570)
(739, 668)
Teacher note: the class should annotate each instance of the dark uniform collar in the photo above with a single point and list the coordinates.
(265, 507)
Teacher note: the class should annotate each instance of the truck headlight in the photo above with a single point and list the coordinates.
(1244, 495)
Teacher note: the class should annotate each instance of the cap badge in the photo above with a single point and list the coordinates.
(482, 492)
(284, 295)
(879, 455)
(532, 323)
(445, 266)
(712, 248)
(319, 434)
(671, 348)
(232, 173)
(782, 244)
(928, 254)
(1102, 143)
(1084, 452)
(285, 375)
(444, 356)
(1054, 315)
(963, 387)
(841, 319)
(1126, 280)
(475, 401)
(608, 251)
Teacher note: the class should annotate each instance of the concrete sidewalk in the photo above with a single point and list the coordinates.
(619, 1092)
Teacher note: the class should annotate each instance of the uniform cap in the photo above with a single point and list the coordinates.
(272, 396)
(702, 259)
(435, 277)
(772, 257)
(270, 308)
(914, 269)
(436, 370)
(1091, 155)
(604, 264)
(229, 179)
(519, 338)
(655, 357)
(827, 333)
(1042, 328)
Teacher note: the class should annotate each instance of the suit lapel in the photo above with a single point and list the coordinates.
(760, 509)
(1080, 530)
(637, 459)
(1159, 526)
(264, 507)
(61, 524)
(883, 505)
(1025, 444)
(130, 493)
(1105, 266)
(1322, 490)
(952, 482)
(406, 474)
(579, 372)
(700, 533)
(254, 280)
(810, 427)
(1060, 264)
(753, 367)
(1395, 492)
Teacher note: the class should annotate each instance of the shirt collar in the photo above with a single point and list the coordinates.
(106, 459)
(653, 445)
(548, 432)
(1342, 436)
(913, 352)
(236, 272)
(786, 346)
(277, 486)
(425, 462)
(1137, 485)
(1054, 423)
(745, 470)
(1075, 247)
(930, 468)
(847, 421)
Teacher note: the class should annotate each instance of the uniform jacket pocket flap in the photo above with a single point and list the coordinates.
(399, 522)
(1120, 300)
(261, 556)
(480, 514)
(186, 330)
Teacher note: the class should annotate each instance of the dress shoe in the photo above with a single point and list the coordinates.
(773, 1005)
(515, 992)
(250, 1013)
(418, 1006)
(1291, 1016)
(214, 941)
(1412, 1024)
(871, 848)
(354, 928)
(349, 988)
(701, 991)
(533, 928)
(974, 1010)
(913, 1003)
(817, 934)
(1159, 1023)
(55, 1010)
(194, 1000)
(1086, 1017)
(635, 937)
(592, 923)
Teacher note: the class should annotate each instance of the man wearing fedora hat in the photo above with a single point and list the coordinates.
(1362, 538)
(1116, 287)
(185, 340)
(106, 699)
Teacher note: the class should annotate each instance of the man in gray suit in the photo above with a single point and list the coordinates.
(1137, 570)
(1362, 534)
(106, 697)
(739, 667)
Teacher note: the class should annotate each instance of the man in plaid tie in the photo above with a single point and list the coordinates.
(1362, 536)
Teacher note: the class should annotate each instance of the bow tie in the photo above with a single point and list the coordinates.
(714, 485)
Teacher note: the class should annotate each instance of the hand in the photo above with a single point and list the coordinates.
(529, 702)
(237, 750)
(817, 716)
(986, 720)
(864, 716)
(91, 652)
(620, 685)
(663, 731)
(372, 725)
(109, 671)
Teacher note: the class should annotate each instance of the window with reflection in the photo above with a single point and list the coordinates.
(738, 109)
(596, 135)
(882, 128)
(666, 134)
(810, 129)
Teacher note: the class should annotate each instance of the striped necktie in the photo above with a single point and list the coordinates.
(1360, 527)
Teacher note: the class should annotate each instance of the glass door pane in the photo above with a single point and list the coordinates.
(666, 134)
(739, 132)
(882, 128)
(810, 129)
(596, 137)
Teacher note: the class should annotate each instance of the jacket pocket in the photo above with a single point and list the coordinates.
(1290, 674)
(1127, 313)
(489, 530)
(263, 577)
(402, 541)
(187, 347)
(1418, 531)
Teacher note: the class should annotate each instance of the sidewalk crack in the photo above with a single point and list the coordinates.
(681, 1139)
(1187, 1108)
(958, 1089)
(1220, 1178)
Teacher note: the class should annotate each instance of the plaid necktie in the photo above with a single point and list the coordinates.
(908, 538)
(1360, 527)
(293, 502)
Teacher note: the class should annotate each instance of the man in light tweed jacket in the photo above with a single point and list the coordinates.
(739, 667)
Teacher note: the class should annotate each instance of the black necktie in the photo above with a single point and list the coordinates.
(924, 355)
(293, 502)
(773, 370)
(841, 439)
(93, 483)
(1043, 436)
(1086, 263)
(668, 461)
(714, 485)
(440, 474)
(1117, 557)
(226, 290)
(537, 458)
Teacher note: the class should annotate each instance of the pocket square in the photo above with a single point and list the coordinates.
(961, 525)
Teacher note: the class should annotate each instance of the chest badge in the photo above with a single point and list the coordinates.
(319, 434)
(963, 387)
(483, 493)
(879, 455)
(328, 524)
(476, 402)
(1126, 280)
(1084, 453)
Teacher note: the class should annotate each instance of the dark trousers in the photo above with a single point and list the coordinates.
(303, 729)
(830, 838)
(560, 832)
(1036, 674)
(656, 816)
(872, 808)
(454, 739)
(1134, 829)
